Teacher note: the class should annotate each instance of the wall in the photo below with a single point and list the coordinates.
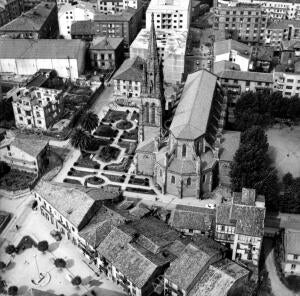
(145, 163)
(123, 88)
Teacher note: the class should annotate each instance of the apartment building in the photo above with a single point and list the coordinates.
(117, 6)
(69, 14)
(9, 10)
(240, 223)
(169, 14)
(246, 22)
(37, 107)
(288, 83)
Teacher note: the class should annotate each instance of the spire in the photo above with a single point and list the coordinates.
(152, 47)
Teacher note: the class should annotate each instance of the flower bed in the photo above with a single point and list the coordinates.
(72, 181)
(95, 180)
(106, 131)
(124, 125)
(130, 146)
(134, 116)
(86, 162)
(123, 166)
(16, 180)
(132, 135)
(96, 143)
(26, 243)
(113, 116)
(140, 190)
(115, 178)
(109, 153)
(76, 173)
(139, 181)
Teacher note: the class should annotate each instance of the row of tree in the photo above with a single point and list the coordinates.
(264, 108)
(290, 194)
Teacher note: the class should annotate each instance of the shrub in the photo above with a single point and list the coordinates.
(2, 265)
(13, 290)
(10, 249)
(60, 263)
(76, 281)
(43, 246)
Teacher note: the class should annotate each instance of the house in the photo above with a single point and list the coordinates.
(193, 220)
(137, 253)
(26, 56)
(106, 53)
(25, 153)
(233, 51)
(37, 107)
(69, 208)
(38, 23)
(240, 224)
(291, 249)
(128, 78)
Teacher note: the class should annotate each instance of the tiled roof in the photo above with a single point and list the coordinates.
(263, 53)
(225, 65)
(146, 146)
(225, 46)
(83, 28)
(186, 217)
(70, 202)
(183, 271)
(292, 241)
(125, 16)
(283, 24)
(229, 144)
(182, 166)
(32, 20)
(106, 43)
(40, 49)
(246, 76)
(192, 114)
(131, 70)
(29, 145)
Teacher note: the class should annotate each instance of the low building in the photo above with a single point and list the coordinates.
(233, 51)
(240, 224)
(37, 107)
(70, 13)
(291, 250)
(68, 208)
(171, 45)
(38, 23)
(106, 53)
(193, 220)
(26, 57)
(128, 78)
(25, 153)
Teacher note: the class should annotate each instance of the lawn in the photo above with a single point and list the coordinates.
(139, 181)
(123, 166)
(140, 190)
(95, 180)
(85, 162)
(96, 143)
(115, 178)
(106, 131)
(72, 181)
(284, 149)
(109, 153)
(113, 116)
(132, 135)
(77, 173)
(124, 125)
(130, 146)
(134, 116)
(16, 180)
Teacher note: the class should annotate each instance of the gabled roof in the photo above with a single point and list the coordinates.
(131, 70)
(29, 145)
(192, 114)
(246, 76)
(225, 46)
(106, 43)
(32, 20)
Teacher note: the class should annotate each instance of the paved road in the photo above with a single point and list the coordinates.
(104, 98)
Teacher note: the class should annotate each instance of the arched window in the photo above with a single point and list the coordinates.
(188, 181)
(153, 114)
(146, 112)
(183, 150)
(173, 180)
(160, 173)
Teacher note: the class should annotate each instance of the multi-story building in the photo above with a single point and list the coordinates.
(106, 53)
(125, 25)
(37, 107)
(246, 22)
(288, 83)
(280, 31)
(110, 6)
(38, 23)
(240, 225)
(25, 153)
(26, 56)
(71, 13)
(9, 10)
(29, 4)
(169, 14)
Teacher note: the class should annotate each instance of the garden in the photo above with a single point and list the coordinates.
(115, 178)
(106, 131)
(108, 153)
(85, 161)
(114, 115)
(95, 180)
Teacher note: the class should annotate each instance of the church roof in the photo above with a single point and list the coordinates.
(192, 114)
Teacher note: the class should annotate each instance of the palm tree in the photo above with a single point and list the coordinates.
(80, 139)
(89, 121)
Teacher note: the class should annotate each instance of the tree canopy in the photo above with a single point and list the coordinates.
(251, 167)
(76, 281)
(43, 246)
(60, 263)
(80, 139)
(10, 249)
(89, 121)
(290, 197)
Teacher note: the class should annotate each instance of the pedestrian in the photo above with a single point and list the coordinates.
(17, 227)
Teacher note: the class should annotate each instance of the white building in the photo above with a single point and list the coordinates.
(233, 51)
(26, 57)
(171, 45)
(169, 14)
(37, 107)
(117, 6)
(69, 13)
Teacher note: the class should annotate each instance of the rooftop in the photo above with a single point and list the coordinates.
(29, 145)
(292, 241)
(41, 48)
(84, 5)
(83, 28)
(125, 16)
(246, 76)
(221, 66)
(106, 43)
(32, 20)
(192, 114)
(168, 5)
(283, 24)
(225, 46)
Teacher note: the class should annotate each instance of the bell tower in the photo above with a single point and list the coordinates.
(152, 93)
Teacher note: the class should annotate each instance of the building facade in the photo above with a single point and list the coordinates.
(9, 10)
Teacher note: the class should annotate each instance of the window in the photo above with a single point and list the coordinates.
(183, 150)
(290, 80)
(21, 118)
(19, 110)
(293, 266)
(153, 114)
(188, 181)
(247, 83)
(289, 87)
(173, 180)
(296, 257)
(29, 121)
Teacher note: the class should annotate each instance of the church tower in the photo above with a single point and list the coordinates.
(152, 93)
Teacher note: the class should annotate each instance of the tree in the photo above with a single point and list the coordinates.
(89, 121)
(76, 281)
(80, 139)
(60, 263)
(13, 290)
(251, 167)
(43, 246)
(4, 168)
(10, 249)
(2, 265)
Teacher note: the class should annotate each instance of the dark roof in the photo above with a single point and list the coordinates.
(263, 53)
(225, 65)
(187, 217)
(106, 43)
(83, 28)
(32, 20)
(131, 70)
(246, 76)
(225, 46)
(126, 16)
(283, 24)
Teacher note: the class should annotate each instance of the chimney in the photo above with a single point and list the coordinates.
(248, 196)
